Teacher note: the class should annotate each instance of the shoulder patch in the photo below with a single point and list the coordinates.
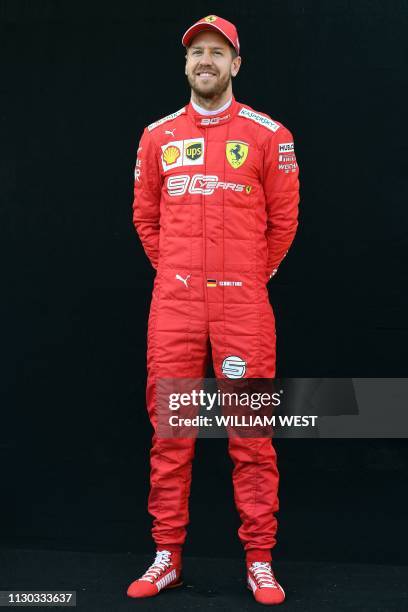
(165, 119)
(265, 121)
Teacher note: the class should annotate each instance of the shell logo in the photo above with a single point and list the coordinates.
(171, 155)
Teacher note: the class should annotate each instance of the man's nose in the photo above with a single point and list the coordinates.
(206, 57)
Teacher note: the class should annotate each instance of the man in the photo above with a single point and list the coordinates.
(216, 203)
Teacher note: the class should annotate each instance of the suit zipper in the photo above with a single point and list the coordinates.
(204, 222)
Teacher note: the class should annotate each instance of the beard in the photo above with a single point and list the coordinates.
(209, 93)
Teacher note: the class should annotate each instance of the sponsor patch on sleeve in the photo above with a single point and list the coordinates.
(138, 169)
(287, 158)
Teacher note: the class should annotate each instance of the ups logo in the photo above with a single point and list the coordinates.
(194, 150)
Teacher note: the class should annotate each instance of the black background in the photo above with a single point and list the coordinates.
(80, 82)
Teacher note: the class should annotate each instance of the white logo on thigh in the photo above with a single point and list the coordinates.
(233, 367)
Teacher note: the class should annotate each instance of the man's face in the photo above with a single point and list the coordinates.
(210, 64)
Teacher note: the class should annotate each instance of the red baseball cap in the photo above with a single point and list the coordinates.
(218, 24)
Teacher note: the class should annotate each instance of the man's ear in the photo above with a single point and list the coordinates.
(235, 66)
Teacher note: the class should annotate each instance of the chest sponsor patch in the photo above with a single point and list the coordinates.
(236, 152)
(182, 153)
(171, 154)
(194, 150)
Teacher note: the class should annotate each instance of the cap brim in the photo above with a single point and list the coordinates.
(200, 27)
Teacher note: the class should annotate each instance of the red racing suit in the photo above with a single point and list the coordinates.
(216, 207)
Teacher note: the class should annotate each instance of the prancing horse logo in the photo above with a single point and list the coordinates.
(236, 152)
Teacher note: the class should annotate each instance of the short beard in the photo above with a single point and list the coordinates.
(209, 94)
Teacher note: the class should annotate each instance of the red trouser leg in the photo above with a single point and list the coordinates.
(256, 479)
(248, 332)
(177, 347)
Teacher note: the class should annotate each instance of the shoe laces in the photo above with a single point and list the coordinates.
(263, 573)
(159, 565)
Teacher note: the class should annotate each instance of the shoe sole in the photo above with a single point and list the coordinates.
(173, 586)
(170, 586)
(265, 604)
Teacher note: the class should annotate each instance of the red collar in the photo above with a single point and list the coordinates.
(213, 120)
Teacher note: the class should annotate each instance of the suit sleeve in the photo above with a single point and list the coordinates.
(146, 203)
(281, 187)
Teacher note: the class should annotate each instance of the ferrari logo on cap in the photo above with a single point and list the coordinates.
(210, 18)
(236, 153)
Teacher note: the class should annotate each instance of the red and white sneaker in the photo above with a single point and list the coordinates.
(263, 584)
(164, 573)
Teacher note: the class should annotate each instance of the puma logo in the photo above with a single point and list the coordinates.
(183, 280)
(170, 132)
